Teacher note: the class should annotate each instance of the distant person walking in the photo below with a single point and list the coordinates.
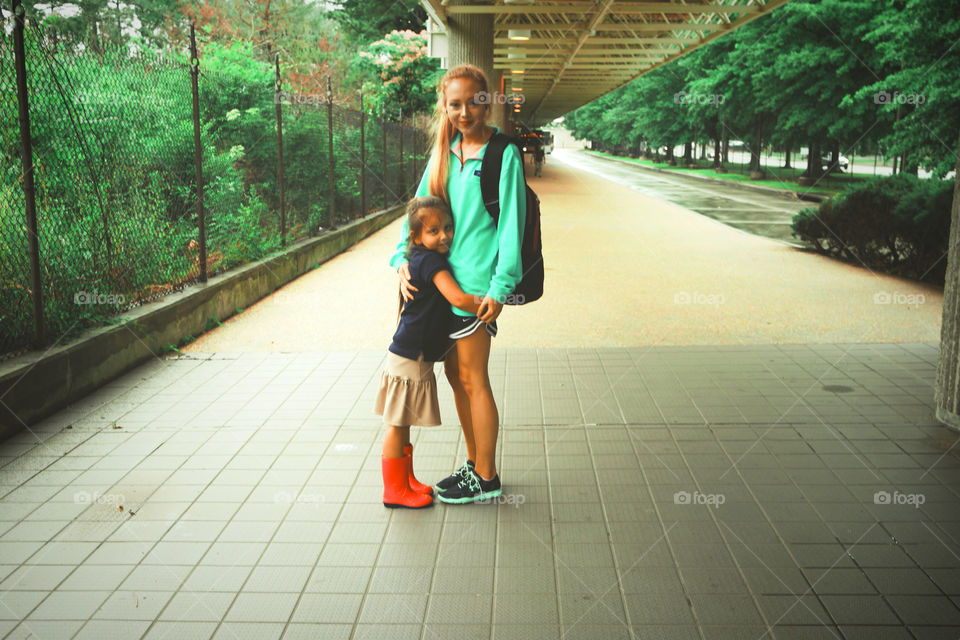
(408, 387)
(538, 157)
(485, 258)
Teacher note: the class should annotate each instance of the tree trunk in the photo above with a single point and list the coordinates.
(94, 36)
(265, 32)
(786, 159)
(812, 172)
(756, 171)
(912, 168)
(833, 163)
(947, 390)
(119, 26)
(688, 154)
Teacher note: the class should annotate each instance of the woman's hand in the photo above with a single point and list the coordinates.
(489, 310)
(406, 289)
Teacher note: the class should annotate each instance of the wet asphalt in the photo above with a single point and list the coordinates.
(758, 213)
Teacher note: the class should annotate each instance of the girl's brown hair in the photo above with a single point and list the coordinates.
(415, 222)
(443, 131)
(415, 217)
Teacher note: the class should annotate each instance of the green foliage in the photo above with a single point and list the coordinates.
(367, 20)
(110, 225)
(406, 77)
(115, 177)
(899, 225)
(98, 26)
(831, 75)
(919, 88)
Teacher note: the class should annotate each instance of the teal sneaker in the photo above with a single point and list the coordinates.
(471, 488)
(451, 480)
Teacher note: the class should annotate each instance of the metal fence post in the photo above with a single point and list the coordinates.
(418, 155)
(363, 161)
(383, 158)
(330, 146)
(26, 163)
(198, 150)
(278, 97)
(403, 180)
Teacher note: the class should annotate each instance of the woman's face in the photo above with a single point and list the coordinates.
(467, 109)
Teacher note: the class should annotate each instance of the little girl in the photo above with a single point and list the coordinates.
(408, 387)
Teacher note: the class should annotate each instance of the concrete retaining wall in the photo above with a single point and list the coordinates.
(40, 383)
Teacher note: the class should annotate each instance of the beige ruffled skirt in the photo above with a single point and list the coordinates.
(408, 393)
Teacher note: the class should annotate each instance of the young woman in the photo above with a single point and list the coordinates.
(485, 259)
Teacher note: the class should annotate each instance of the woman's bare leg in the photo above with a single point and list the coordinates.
(451, 367)
(473, 353)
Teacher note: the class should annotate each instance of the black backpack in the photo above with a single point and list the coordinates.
(530, 287)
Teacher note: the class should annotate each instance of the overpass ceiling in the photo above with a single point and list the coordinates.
(577, 51)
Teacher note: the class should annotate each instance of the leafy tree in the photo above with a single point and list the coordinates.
(919, 90)
(404, 77)
(660, 110)
(833, 74)
(98, 25)
(706, 98)
(364, 21)
(817, 62)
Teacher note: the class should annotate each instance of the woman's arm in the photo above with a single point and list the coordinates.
(406, 289)
(450, 290)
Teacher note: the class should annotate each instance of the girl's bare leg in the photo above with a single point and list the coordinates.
(451, 367)
(394, 440)
(473, 353)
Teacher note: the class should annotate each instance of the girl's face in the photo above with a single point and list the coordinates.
(466, 110)
(436, 232)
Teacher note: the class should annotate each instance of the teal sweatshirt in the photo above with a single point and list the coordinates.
(485, 259)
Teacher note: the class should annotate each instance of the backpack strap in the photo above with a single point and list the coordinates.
(490, 173)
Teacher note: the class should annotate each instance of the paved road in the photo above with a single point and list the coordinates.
(623, 268)
(758, 213)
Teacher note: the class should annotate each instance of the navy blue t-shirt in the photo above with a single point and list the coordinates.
(425, 321)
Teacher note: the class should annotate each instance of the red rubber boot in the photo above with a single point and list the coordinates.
(396, 486)
(415, 484)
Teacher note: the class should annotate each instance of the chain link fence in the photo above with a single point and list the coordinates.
(115, 177)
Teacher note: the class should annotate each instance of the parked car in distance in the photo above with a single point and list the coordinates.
(825, 161)
(843, 162)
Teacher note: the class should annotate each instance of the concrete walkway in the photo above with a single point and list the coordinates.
(622, 269)
(741, 492)
(694, 491)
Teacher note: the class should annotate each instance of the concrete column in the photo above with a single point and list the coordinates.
(470, 40)
(947, 392)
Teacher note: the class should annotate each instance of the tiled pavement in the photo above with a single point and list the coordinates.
(739, 492)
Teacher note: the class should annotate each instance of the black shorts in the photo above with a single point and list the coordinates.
(463, 326)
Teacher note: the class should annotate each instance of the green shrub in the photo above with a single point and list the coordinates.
(899, 225)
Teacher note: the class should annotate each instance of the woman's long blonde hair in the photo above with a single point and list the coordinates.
(443, 131)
